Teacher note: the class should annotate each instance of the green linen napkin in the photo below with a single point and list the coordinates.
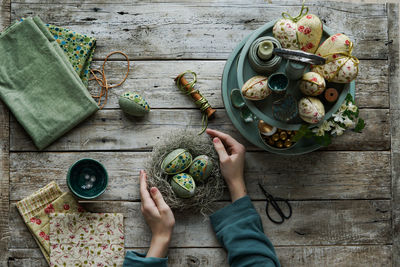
(39, 84)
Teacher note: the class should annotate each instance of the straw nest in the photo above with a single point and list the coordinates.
(206, 193)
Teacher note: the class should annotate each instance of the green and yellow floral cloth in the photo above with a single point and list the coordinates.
(39, 223)
(31, 205)
(86, 239)
(79, 49)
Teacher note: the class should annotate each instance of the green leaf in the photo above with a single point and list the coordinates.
(349, 98)
(324, 140)
(300, 133)
(360, 125)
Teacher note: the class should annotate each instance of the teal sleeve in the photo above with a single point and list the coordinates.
(239, 229)
(136, 259)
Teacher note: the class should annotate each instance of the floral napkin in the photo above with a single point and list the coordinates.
(86, 239)
(39, 223)
(34, 203)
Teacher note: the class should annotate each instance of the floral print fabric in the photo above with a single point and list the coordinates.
(86, 239)
(33, 204)
(39, 223)
(79, 49)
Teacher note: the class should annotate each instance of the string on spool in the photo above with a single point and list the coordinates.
(304, 9)
(102, 81)
(188, 88)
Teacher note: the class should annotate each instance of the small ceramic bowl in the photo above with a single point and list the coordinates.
(87, 178)
(278, 83)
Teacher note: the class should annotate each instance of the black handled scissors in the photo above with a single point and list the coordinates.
(274, 203)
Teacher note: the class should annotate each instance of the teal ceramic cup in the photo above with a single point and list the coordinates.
(87, 178)
(278, 83)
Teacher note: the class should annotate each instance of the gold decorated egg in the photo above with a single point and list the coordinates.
(311, 110)
(312, 84)
(201, 168)
(256, 88)
(177, 161)
(183, 185)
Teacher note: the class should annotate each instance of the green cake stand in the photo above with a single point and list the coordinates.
(231, 80)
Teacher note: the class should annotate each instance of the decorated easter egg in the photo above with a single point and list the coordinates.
(183, 185)
(256, 88)
(312, 84)
(340, 66)
(133, 104)
(201, 168)
(305, 34)
(311, 109)
(177, 161)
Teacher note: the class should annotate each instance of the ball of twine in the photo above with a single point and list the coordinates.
(206, 193)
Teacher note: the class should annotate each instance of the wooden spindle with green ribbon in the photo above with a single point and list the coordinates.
(188, 88)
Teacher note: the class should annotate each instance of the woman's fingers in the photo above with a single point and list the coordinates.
(158, 199)
(234, 145)
(219, 147)
(144, 194)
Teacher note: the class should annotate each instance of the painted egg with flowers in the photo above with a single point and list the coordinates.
(256, 88)
(201, 168)
(177, 161)
(311, 109)
(183, 185)
(133, 104)
(312, 84)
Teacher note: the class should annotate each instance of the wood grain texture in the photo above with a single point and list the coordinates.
(4, 184)
(351, 175)
(154, 80)
(393, 13)
(344, 256)
(344, 222)
(113, 130)
(205, 30)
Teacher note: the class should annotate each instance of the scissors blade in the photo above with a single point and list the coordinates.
(299, 56)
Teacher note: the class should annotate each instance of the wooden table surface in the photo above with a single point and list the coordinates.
(345, 198)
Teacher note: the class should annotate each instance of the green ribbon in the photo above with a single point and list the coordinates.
(202, 103)
(286, 15)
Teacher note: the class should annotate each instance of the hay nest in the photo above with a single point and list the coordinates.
(206, 193)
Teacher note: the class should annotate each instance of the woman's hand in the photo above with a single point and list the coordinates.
(231, 157)
(158, 216)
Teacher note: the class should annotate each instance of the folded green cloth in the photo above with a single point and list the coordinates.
(39, 84)
(79, 49)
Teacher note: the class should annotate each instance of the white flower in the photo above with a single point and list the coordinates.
(338, 130)
(351, 107)
(338, 117)
(348, 123)
(342, 108)
(319, 131)
(326, 125)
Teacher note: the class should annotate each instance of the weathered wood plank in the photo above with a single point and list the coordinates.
(155, 81)
(4, 183)
(205, 30)
(393, 13)
(112, 130)
(344, 222)
(342, 256)
(320, 175)
(5, 13)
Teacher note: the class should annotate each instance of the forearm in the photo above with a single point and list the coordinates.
(237, 189)
(158, 247)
